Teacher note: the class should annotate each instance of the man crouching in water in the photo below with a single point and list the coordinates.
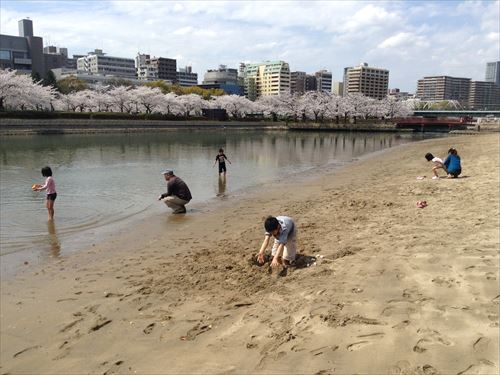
(284, 231)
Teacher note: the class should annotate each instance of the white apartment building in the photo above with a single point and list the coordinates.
(369, 81)
(97, 62)
(266, 78)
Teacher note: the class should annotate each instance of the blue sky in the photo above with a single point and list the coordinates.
(410, 38)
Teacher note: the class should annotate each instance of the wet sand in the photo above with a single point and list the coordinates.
(394, 289)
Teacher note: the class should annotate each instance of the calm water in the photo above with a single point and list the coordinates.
(108, 182)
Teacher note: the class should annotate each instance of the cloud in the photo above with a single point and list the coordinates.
(411, 39)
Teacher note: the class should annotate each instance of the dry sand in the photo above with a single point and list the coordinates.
(396, 290)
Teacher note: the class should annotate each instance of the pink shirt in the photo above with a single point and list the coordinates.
(50, 185)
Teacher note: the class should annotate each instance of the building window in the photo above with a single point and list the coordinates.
(4, 55)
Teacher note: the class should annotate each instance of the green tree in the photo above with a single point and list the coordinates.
(162, 85)
(71, 84)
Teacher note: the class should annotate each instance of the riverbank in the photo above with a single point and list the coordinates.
(394, 288)
(13, 126)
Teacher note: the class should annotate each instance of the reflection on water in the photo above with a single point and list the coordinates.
(55, 246)
(107, 182)
(222, 185)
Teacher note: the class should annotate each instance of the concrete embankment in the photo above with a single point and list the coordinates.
(71, 126)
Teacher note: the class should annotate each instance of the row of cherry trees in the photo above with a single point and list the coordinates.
(19, 92)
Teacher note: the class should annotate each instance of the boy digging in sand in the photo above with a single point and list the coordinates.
(284, 231)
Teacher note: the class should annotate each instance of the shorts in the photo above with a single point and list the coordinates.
(51, 197)
(290, 250)
(222, 167)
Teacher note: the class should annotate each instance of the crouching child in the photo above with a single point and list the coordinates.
(284, 250)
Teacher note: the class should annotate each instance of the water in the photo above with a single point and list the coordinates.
(108, 182)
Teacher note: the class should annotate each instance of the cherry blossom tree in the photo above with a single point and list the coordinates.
(192, 103)
(149, 98)
(121, 98)
(236, 106)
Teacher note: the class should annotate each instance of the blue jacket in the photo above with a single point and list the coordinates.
(452, 163)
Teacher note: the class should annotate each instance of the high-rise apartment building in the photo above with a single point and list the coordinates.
(369, 81)
(97, 62)
(323, 81)
(186, 77)
(298, 83)
(493, 72)
(266, 78)
(484, 95)
(155, 68)
(437, 88)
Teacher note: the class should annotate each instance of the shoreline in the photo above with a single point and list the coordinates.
(16, 259)
(389, 294)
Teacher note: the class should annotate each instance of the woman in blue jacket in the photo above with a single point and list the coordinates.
(452, 163)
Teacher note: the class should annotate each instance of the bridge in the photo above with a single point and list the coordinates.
(456, 113)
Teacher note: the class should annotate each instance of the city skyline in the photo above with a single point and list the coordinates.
(410, 39)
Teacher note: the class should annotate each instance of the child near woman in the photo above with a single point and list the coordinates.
(50, 187)
(437, 164)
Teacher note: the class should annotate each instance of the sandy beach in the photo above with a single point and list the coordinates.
(384, 287)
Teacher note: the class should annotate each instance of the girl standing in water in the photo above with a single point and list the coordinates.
(50, 187)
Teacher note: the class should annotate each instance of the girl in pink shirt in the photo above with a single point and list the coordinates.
(50, 188)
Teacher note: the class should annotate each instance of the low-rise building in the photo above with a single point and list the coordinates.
(223, 78)
(186, 77)
(398, 94)
(96, 62)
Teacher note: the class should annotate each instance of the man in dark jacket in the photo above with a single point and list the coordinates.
(177, 195)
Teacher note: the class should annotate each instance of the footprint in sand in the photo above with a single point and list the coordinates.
(114, 369)
(430, 337)
(481, 344)
(358, 345)
(149, 328)
(483, 366)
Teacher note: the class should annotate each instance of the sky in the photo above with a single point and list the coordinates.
(412, 39)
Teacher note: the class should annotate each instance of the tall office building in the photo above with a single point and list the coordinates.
(298, 83)
(266, 78)
(186, 77)
(323, 81)
(493, 72)
(437, 88)
(155, 68)
(369, 81)
(96, 62)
